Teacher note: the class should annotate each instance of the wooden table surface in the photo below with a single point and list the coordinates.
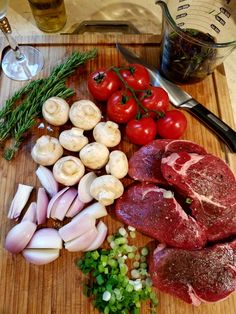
(57, 287)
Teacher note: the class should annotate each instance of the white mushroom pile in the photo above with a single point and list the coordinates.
(81, 184)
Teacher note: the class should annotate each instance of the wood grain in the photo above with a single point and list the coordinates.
(57, 287)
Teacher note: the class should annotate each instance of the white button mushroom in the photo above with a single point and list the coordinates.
(73, 139)
(47, 150)
(107, 133)
(94, 155)
(68, 170)
(84, 114)
(117, 164)
(105, 189)
(55, 110)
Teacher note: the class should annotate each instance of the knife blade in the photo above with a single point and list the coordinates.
(180, 99)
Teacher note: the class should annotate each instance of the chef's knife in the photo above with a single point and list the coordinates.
(181, 99)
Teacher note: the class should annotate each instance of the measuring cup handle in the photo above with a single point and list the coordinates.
(220, 128)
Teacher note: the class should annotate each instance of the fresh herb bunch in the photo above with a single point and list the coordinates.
(21, 110)
(114, 288)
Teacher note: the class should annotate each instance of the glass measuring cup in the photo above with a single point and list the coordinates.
(196, 37)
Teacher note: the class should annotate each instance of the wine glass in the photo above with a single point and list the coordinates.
(19, 63)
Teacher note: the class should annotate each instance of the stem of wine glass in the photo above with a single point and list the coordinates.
(6, 29)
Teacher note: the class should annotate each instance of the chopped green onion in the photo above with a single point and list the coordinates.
(106, 296)
(144, 251)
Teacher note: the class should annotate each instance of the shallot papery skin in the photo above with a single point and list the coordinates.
(19, 201)
(19, 236)
(47, 180)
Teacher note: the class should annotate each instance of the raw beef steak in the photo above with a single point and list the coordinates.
(207, 275)
(211, 185)
(176, 146)
(156, 213)
(145, 164)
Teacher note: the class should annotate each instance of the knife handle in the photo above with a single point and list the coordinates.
(226, 134)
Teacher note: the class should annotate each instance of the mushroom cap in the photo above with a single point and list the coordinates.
(47, 150)
(107, 133)
(105, 189)
(118, 164)
(94, 155)
(84, 114)
(55, 110)
(73, 139)
(68, 170)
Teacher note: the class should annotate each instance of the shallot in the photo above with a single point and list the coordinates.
(77, 227)
(30, 214)
(19, 236)
(45, 238)
(80, 243)
(84, 187)
(47, 180)
(102, 232)
(54, 201)
(63, 204)
(40, 256)
(95, 210)
(75, 207)
(19, 201)
(42, 205)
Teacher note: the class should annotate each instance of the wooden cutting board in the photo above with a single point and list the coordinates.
(57, 287)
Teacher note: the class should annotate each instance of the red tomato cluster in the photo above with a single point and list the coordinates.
(132, 100)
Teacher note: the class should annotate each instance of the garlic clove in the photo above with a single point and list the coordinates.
(47, 180)
(84, 187)
(19, 201)
(102, 232)
(75, 207)
(30, 214)
(80, 243)
(19, 236)
(40, 256)
(45, 238)
(41, 206)
(76, 227)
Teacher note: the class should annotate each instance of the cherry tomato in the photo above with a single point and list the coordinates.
(121, 106)
(136, 76)
(103, 83)
(142, 131)
(172, 125)
(154, 99)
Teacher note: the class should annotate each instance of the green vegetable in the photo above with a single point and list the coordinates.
(110, 284)
(20, 111)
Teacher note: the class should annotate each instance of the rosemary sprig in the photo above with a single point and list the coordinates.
(17, 119)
